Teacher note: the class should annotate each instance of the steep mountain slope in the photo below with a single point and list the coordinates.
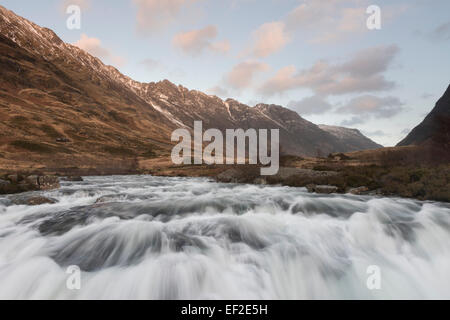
(297, 136)
(61, 107)
(435, 128)
(352, 138)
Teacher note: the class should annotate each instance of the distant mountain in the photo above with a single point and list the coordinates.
(353, 139)
(60, 106)
(435, 128)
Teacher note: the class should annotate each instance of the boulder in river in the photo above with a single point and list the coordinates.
(14, 178)
(324, 189)
(31, 181)
(48, 182)
(229, 176)
(32, 200)
(14, 183)
(5, 186)
(359, 190)
(4, 182)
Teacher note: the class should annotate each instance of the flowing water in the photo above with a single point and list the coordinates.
(143, 237)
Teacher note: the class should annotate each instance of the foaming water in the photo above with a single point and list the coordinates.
(143, 237)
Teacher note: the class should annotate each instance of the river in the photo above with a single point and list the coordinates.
(144, 237)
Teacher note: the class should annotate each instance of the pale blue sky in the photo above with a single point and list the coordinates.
(382, 82)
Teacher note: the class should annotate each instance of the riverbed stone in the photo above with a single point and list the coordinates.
(48, 182)
(32, 200)
(31, 181)
(14, 178)
(323, 189)
(359, 190)
(4, 182)
(5, 186)
(14, 184)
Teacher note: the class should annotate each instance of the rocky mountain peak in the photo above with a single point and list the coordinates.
(126, 111)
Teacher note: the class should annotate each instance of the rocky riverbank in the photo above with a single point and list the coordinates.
(18, 183)
(419, 182)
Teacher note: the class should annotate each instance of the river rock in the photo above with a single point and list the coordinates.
(107, 198)
(32, 200)
(48, 182)
(324, 189)
(18, 184)
(230, 175)
(14, 178)
(359, 190)
(32, 181)
(4, 183)
(261, 181)
(4, 186)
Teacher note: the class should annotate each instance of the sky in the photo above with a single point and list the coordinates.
(318, 58)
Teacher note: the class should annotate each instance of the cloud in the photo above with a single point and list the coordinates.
(220, 46)
(376, 133)
(152, 15)
(196, 41)
(152, 64)
(164, 70)
(328, 20)
(236, 4)
(362, 73)
(269, 38)
(117, 61)
(178, 72)
(441, 32)
(94, 47)
(427, 95)
(83, 4)
(353, 121)
(369, 105)
(335, 20)
(242, 74)
(218, 91)
(370, 61)
(310, 105)
(406, 131)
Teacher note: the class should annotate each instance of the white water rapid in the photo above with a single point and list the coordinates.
(143, 237)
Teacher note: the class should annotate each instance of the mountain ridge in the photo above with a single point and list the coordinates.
(353, 137)
(52, 91)
(435, 128)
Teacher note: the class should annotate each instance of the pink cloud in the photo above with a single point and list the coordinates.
(382, 107)
(269, 38)
(335, 20)
(361, 73)
(94, 47)
(242, 74)
(196, 41)
(155, 14)
(221, 46)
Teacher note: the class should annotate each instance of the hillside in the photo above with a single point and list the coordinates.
(352, 138)
(435, 128)
(61, 108)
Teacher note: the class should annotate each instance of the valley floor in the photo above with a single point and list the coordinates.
(407, 171)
